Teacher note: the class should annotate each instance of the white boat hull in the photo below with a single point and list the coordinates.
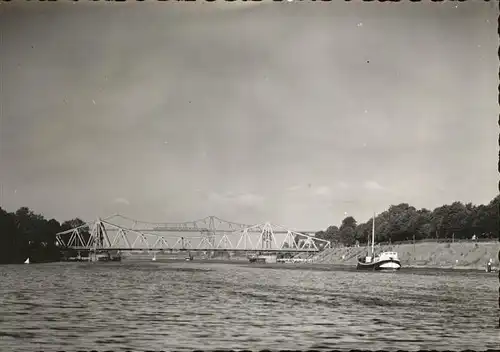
(383, 265)
(392, 265)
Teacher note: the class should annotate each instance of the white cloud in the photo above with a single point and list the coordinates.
(245, 199)
(121, 201)
(343, 184)
(249, 199)
(293, 188)
(236, 5)
(323, 191)
(372, 185)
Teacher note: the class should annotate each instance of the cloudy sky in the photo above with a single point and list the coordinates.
(293, 113)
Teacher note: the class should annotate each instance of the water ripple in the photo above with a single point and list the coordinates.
(186, 306)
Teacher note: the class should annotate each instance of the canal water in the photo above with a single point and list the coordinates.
(189, 305)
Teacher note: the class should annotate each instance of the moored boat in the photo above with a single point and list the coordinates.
(256, 259)
(262, 258)
(105, 256)
(386, 261)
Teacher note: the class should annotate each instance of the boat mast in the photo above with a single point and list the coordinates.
(368, 245)
(373, 233)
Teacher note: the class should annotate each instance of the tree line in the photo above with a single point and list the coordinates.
(404, 222)
(24, 234)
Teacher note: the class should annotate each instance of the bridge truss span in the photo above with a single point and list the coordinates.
(208, 234)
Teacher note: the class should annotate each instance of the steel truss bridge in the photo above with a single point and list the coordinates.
(119, 233)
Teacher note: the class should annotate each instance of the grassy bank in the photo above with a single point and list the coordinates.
(459, 255)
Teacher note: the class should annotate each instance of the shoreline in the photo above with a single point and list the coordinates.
(297, 266)
(287, 266)
(464, 257)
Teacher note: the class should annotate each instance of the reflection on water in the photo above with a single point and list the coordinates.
(154, 306)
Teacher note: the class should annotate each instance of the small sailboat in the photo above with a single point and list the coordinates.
(27, 261)
(387, 261)
(154, 258)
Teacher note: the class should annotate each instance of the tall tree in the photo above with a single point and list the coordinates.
(404, 222)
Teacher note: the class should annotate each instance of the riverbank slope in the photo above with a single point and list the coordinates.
(463, 255)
